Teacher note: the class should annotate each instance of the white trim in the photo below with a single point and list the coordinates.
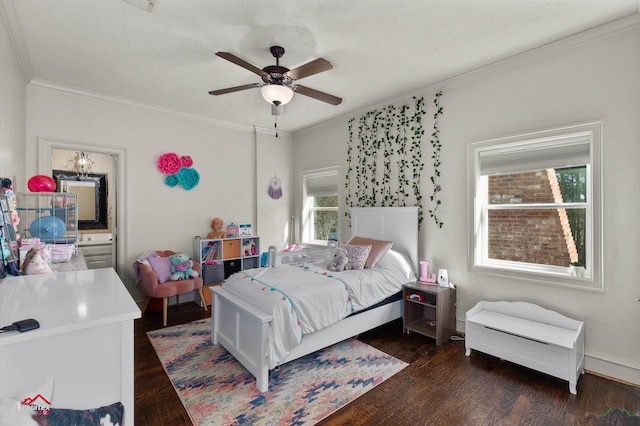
(549, 49)
(545, 50)
(595, 242)
(304, 209)
(57, 87)
(47, 144)
(612, 367)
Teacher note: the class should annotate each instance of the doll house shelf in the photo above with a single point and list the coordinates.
(220, 258)
(52, 217)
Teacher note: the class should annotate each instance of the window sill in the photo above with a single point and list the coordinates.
(537, 277)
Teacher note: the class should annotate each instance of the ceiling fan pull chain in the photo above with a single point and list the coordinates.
(275, 125)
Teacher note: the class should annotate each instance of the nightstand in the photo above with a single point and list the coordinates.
(429, 310)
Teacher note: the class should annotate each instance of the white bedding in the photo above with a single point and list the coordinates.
(308, 298)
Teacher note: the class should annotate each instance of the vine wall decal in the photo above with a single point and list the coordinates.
(437, 146)
(384, 162)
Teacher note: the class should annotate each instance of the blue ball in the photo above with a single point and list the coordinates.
(48, 228)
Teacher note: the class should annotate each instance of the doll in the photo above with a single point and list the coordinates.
(216, 225)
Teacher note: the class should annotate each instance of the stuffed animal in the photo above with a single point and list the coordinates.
(249, 248)
(340, 261)
(181, 267)
(34, 263)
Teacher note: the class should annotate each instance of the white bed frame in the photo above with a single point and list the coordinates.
(242, 328)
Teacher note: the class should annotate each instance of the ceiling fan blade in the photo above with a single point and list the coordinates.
(244, 64)
(235, 89)
(310, 68)
(316, 94)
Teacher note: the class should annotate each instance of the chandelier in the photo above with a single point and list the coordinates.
(81, 164)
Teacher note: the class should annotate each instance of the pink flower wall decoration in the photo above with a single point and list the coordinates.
(178, 170)
(169, 163)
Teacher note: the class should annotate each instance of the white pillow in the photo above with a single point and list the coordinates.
(399, 262)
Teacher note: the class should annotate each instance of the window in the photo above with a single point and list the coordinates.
(320, 205)
(535, 206)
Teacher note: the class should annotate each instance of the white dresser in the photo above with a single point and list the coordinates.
(85, 339)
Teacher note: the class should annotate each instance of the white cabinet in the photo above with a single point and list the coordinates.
(85, 339)
(97, 254)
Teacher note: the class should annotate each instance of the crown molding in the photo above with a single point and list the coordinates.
(618, 26)
(76, 91)
(545, 50)
(14, 31)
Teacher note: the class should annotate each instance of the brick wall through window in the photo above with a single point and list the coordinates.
(541, 236)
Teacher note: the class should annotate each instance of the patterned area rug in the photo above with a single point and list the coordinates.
(217, 390)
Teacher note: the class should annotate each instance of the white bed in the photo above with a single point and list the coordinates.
(245, 329)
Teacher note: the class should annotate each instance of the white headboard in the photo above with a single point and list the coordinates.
(398, 224)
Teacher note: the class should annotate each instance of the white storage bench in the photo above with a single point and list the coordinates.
(528, 335)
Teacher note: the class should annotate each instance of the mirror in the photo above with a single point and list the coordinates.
(92, 197)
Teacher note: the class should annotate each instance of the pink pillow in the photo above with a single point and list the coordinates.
(378, 249)
(357, 255)
(162, 267)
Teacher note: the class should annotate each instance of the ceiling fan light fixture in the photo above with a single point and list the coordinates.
(277, 94)
(277, 109)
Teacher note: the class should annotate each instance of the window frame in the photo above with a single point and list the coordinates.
(308, 207)
(479, 206)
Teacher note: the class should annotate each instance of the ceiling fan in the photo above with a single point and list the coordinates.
(278, 82)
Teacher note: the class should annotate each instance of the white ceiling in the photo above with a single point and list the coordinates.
(380, 49)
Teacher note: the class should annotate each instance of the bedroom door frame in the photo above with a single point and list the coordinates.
(119, 225)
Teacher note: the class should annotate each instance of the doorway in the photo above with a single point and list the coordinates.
(101, 246)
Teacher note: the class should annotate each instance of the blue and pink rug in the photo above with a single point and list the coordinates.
(215, 389)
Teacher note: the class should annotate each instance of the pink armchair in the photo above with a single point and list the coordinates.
(167, 289)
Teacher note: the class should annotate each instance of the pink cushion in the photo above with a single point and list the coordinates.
(162, 267)
(357, 255)
(378, 249)
(171, 288)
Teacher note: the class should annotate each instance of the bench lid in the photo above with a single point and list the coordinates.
(527, 329)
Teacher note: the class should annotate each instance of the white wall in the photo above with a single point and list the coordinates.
(157, 216)
(12, 112)
(567, 83)
(275, 157)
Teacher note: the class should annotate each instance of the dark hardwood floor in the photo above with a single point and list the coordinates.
(441, 386)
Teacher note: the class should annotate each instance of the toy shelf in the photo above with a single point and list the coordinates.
(220, 258)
